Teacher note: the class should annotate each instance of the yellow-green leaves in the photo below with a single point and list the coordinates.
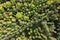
(18, 5)
(52, 38)
(29, 20)
(13, 1)
(19, 15)
(58, 7)
(8, 29)
(32, 5)
(22, 37)
(44, 36)
(57, 1)
(49, 2)
(19, 38)
(25, 4)
(26, 17)
(7, 4)
(12, 39)
(1, 8)
(46, 28)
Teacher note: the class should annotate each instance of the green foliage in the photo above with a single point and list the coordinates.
(29, 20)
(19, 15)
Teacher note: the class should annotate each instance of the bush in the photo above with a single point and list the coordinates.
(29, 20)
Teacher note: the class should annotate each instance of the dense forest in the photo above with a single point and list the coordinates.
(29, 19)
